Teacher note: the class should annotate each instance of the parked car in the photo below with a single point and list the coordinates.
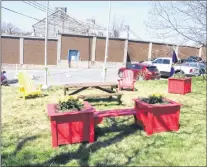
(141, 71)
(164, 65)
(201, 66)
(194, 58)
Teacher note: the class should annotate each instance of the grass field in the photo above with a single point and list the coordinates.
(26, 136)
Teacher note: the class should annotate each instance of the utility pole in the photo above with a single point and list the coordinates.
(0, 90)
(45, 86)
(126, 46)
(107, 43)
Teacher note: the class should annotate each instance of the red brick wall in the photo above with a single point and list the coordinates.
(161, 50)
(34, 52)
(116, 50)
(138, 51)
(185, 52)
(83, 44)
(10, 50)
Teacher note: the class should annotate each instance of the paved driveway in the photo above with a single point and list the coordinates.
(60, 76)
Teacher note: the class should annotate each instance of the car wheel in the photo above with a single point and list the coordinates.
(120, 74)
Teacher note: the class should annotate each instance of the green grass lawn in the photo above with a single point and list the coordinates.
(26, 136)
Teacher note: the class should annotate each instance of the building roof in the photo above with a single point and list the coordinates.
(67, 17)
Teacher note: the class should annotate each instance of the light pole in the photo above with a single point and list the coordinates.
(107, 43)
(0, 70)
(45, 86)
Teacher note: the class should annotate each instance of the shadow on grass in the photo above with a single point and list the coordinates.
(12, 81)
(35, 96)
(103, 101)
(19, 146)
(84, 151)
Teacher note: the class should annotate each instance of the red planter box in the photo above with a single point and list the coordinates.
(157, 118)
(71, 127)
(179, 86)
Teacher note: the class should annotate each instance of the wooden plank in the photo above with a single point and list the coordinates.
(100, 95)
(93, 84)
(114, 113)
(105, 90)
(77, 91)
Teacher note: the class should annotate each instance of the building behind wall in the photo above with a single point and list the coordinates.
(60, 22)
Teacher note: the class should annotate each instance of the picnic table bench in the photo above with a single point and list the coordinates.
(107, 87)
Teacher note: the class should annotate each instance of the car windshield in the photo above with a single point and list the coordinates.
(131, 66)
(191, 64)
(152, 68)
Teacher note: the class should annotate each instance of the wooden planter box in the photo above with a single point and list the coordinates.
(179, 86)
(157, 118)
(71, 127)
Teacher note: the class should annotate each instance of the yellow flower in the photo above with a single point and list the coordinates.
(75, 97)
(69, 97)
(80, 100)
(66, 99)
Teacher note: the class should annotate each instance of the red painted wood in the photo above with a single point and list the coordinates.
(158, 118)
(127, 81)
(179, 86)
(71, 127)
(99, 115)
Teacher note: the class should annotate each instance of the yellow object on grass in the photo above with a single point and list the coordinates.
(27, 87)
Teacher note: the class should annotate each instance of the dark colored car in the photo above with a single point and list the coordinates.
(193, 59)
(142, 71)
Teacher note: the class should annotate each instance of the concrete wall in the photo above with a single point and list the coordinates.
(10, 50)
(204, 52)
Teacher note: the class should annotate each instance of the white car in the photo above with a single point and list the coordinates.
(164, 65)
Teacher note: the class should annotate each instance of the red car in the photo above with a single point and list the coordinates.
(142, 71)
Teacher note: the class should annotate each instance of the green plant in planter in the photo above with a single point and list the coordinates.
(70, 103)
(155, 98)
(179, 75)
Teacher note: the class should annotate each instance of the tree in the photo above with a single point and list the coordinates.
(11, 29)
(117, 26)
(172, 19)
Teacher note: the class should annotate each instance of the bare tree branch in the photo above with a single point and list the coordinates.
(185, 18)
(11, 29)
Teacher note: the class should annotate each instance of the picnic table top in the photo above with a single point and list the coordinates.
(91, 84)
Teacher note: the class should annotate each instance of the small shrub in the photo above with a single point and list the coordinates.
(70, 103)
(155, 98)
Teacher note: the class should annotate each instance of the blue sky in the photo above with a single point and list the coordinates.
(134, 13)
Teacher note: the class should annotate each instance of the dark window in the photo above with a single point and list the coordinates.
(132, 66)
(152, 69)
(139, 67)
(158, 61)
(166, 61)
